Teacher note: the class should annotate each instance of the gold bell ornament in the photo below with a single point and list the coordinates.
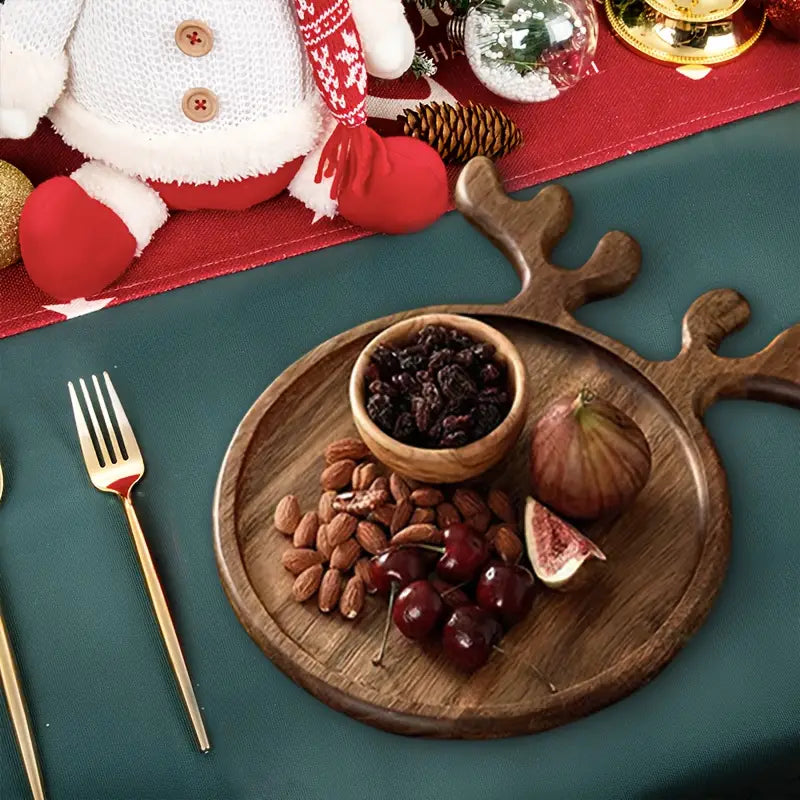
(693, 34)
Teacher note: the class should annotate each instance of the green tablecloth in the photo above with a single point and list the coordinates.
(719, 209)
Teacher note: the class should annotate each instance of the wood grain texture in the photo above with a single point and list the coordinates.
(666, 554)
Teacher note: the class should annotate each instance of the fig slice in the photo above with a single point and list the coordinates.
(557, 551)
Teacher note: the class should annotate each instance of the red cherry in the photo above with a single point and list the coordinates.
(506, 590)
(465, 552)
(399, 567)
(451, 595)
(469, 636)
(417, 610)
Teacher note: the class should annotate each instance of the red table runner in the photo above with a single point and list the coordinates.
(628, 104)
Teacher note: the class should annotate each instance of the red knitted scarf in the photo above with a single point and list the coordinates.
(334, 49)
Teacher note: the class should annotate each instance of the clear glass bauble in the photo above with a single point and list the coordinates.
(530, 50)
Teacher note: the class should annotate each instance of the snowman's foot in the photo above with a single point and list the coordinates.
(410, 194)
(79, 234)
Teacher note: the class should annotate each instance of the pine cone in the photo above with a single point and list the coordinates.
(460, 132)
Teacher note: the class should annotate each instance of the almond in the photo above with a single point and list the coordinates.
(323, 545)
(299, 559)
(329, 590)
(287, 514)
(307, 583)
(363, 570)
(338, 474)
(380, 483)
(305, 534)
(423, 515)
(426, 496)
(447, 515)
(345, 554)
(371, 537)
(417, 533)
(361, 502)
(507, 544)
(402, 514)
(348, 448)
(468, 502)
(501, 505)
(480, 521)
(341, 527)
(356, 477)
(352, 600)
(325, 510)
(398, 487)
(383, 515)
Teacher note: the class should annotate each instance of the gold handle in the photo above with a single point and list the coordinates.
(168, 633)
(19, 714)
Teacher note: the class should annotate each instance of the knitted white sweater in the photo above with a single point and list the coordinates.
(117, 78)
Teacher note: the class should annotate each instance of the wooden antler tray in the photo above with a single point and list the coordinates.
(666, 555)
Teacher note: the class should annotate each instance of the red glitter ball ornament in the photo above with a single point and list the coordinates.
(785, 16)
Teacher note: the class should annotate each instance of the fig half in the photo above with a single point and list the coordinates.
(558, 552)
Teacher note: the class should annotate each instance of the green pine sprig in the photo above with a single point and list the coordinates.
(458, 6)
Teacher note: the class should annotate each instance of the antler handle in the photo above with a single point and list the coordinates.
(771, 374)
(527, 231)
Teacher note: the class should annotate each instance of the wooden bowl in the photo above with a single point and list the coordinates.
(447, 465)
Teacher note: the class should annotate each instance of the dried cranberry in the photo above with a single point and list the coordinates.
(441, 358)
(404, 428)
(381, 411)
(412, 358)
(381, 387)
(490, 373)
(443, 389)
(487, 418)
(465, 358)
(423, 414)
(432, 396)
(484, 351)
(453, 439)
(463, 422)
(493, 395)
(385, 358)
(456, 383)
(405, 382)
(459, 340)
(432, 337)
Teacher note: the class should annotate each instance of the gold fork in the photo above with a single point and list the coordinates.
(9, 678)
(116, 469)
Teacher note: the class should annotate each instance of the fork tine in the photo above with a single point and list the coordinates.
(125, 428)
(98, 431)
(112, 434)
(87, 448)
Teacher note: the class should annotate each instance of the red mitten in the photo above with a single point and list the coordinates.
(72, 245)
(409, 194)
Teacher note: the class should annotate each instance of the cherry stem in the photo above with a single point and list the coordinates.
(434, 548)
(454, 588)
(535, 670)
(376, 660)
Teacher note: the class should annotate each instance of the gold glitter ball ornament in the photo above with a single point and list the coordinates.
(14, 191)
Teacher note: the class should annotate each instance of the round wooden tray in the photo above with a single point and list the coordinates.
(666, 555)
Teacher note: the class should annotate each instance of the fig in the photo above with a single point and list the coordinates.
(557, 551)
(588, 458)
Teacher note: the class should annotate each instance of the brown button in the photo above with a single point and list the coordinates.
(194, 38)
(200, 105)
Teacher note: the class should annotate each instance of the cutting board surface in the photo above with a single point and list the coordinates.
(666, 554)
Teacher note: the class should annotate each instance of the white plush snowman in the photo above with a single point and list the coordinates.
(187, 104)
